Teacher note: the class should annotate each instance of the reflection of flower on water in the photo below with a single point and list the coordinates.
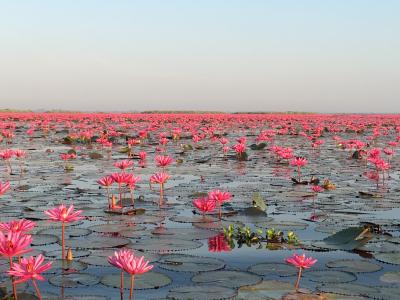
(314, 217)
(218, 244)
(283, 172)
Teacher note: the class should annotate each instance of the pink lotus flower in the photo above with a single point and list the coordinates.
(301, 262)
(219, 197)
(124, 164)
(299, 162)
(136, 265)
(160, 178)
(130, 181)
(142, 155)
(30, 269)
(133, 265)
(163, 160)
(63, 215)
(317, 189)
(106, 182)
(119, 258)
(17, 226)
(239, 148)
(119, 178)
(4, 187)
(204, 204)
(14, 244)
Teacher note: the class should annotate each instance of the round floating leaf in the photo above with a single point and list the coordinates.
(331, 296)
(282, 225)
(86, 297)
(386, 293)
(149, 280)
(43, 239)
(115, 228)
(267, 269)
(266, 289)
(216, 225)
(232, 279)
(193, 219)
(191, 233)
(391, 277)
(330, 276)
(95, 260)
(74, 280)
(75, 253)
(97, 242)
(136, 219)
(163, 245)
(189, 263)
(390, 258)
(354, 266)
(71, 232)
(65, 265)
(200, 292)
(383, 247)
(348, 289)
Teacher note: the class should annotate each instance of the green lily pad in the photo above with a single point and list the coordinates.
(43, 239)
(149, 280)
(354, 266)
(386, 293)
(115, 228)
(65, 265)
(74, 280)
(391, 277)
(189, 263)
(266, 289)
(165, 245)
(390, 258)
(267, 269)
(348, 289)
(232, 279)
(200, 292)
(97, 242)
(330, 276)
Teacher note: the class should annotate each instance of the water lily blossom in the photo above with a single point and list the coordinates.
(64, 215)
(30, 269)
(301, 262)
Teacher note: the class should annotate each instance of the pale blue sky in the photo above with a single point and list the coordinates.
(321, 55)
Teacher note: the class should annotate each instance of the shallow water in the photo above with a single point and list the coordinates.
(45, 184)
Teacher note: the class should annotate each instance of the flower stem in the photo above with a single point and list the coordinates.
(132, 286)
(62, 240)
(14, 286)
(37, 289)
(122, 285)
(298, 279)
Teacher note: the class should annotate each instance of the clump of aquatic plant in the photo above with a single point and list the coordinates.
(67, 157)
(328, 185)
(292, 238)
(244, 235)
